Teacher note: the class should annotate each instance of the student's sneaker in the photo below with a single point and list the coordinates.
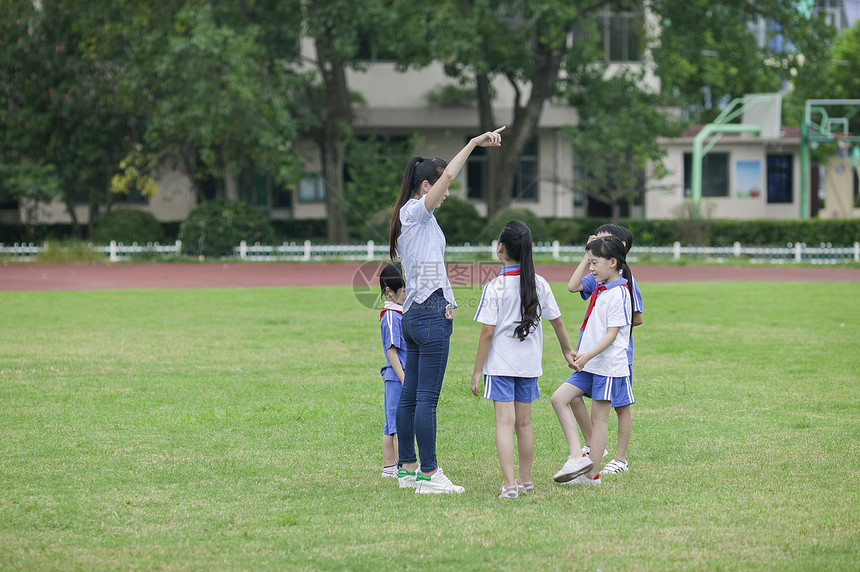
(406, 479)
(526, 488)
(584, 480)
(587, 450)
(435, 483)
(573, 468)
(614, 467)
(389, 472)
(512, 492)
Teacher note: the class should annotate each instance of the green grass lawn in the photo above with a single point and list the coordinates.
(241, 429)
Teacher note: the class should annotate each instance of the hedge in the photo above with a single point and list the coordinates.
(663, 232)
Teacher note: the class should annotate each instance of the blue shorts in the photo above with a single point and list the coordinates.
(503, 388)
(602, 388)
(588, 394)
(392, 398)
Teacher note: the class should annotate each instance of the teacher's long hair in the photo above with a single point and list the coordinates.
(418, 170)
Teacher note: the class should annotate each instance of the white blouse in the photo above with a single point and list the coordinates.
(421, 248)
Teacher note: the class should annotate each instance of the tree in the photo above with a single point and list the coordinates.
(616, 138)
(707, 55)
(339, 29)
(835, 75)
(373, 171)
(214, 83)
(526, 44)
(843, 67)
(64, 125)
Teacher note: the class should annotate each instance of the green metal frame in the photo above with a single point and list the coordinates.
(720, 125)
(816, 128)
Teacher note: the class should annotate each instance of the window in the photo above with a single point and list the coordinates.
(715, 174)
(779, 179)
(620, 33)
(8, 202)
(312, 189)
(254, 190)
(834, 13)
(282, 197)
(525, 186)
(132, 197)
(370, 50)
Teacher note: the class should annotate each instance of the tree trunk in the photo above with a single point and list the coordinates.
(332, 152)
(92, 218)
(231, 186)
(502, 165)
(70, 208)
(186, 156)
(616, 211)
(336, 131)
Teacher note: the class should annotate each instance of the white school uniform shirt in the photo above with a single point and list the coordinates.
(589, 283)
(421, 248)
(500, 306)
(612, 308)
(390, 327)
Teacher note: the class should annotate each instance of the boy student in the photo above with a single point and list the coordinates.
(584, 282)
(393, 293)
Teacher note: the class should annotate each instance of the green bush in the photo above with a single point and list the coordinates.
(128, 226)
(568, 230)
(214, 228)
(376, 228)
(315, 229)
(459, 220)
(538, 226)
(838, 232)
(68, 252)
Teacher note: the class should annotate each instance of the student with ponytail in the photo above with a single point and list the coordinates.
(415, 237)
(510, 348)
(601, 362)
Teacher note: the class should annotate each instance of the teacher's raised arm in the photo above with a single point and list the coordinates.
(439, 189)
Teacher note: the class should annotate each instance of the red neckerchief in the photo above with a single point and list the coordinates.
(389, 310)
(591, 301)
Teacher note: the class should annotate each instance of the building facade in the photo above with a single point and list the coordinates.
(743, 176)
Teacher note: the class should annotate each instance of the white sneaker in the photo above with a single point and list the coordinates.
(584, 480)
(587, 449)
(435, 483)
(406, 479)
(389, 472)
(614, 467)
(572, 468)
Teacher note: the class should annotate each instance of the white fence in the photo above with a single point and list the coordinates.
(306, 252)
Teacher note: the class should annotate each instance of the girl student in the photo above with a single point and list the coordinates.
(584, 283)
(394, 348)
(415, 237)
(510, 348)
(601, 362)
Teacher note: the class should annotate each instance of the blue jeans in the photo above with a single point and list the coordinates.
(427, 333)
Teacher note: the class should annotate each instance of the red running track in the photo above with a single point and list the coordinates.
(28, 276)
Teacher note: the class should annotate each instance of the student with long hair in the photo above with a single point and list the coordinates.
(601, 363)
(510, 350)
(583, 282)
(415, 237)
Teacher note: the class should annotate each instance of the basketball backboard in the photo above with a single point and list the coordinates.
(765, 110)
